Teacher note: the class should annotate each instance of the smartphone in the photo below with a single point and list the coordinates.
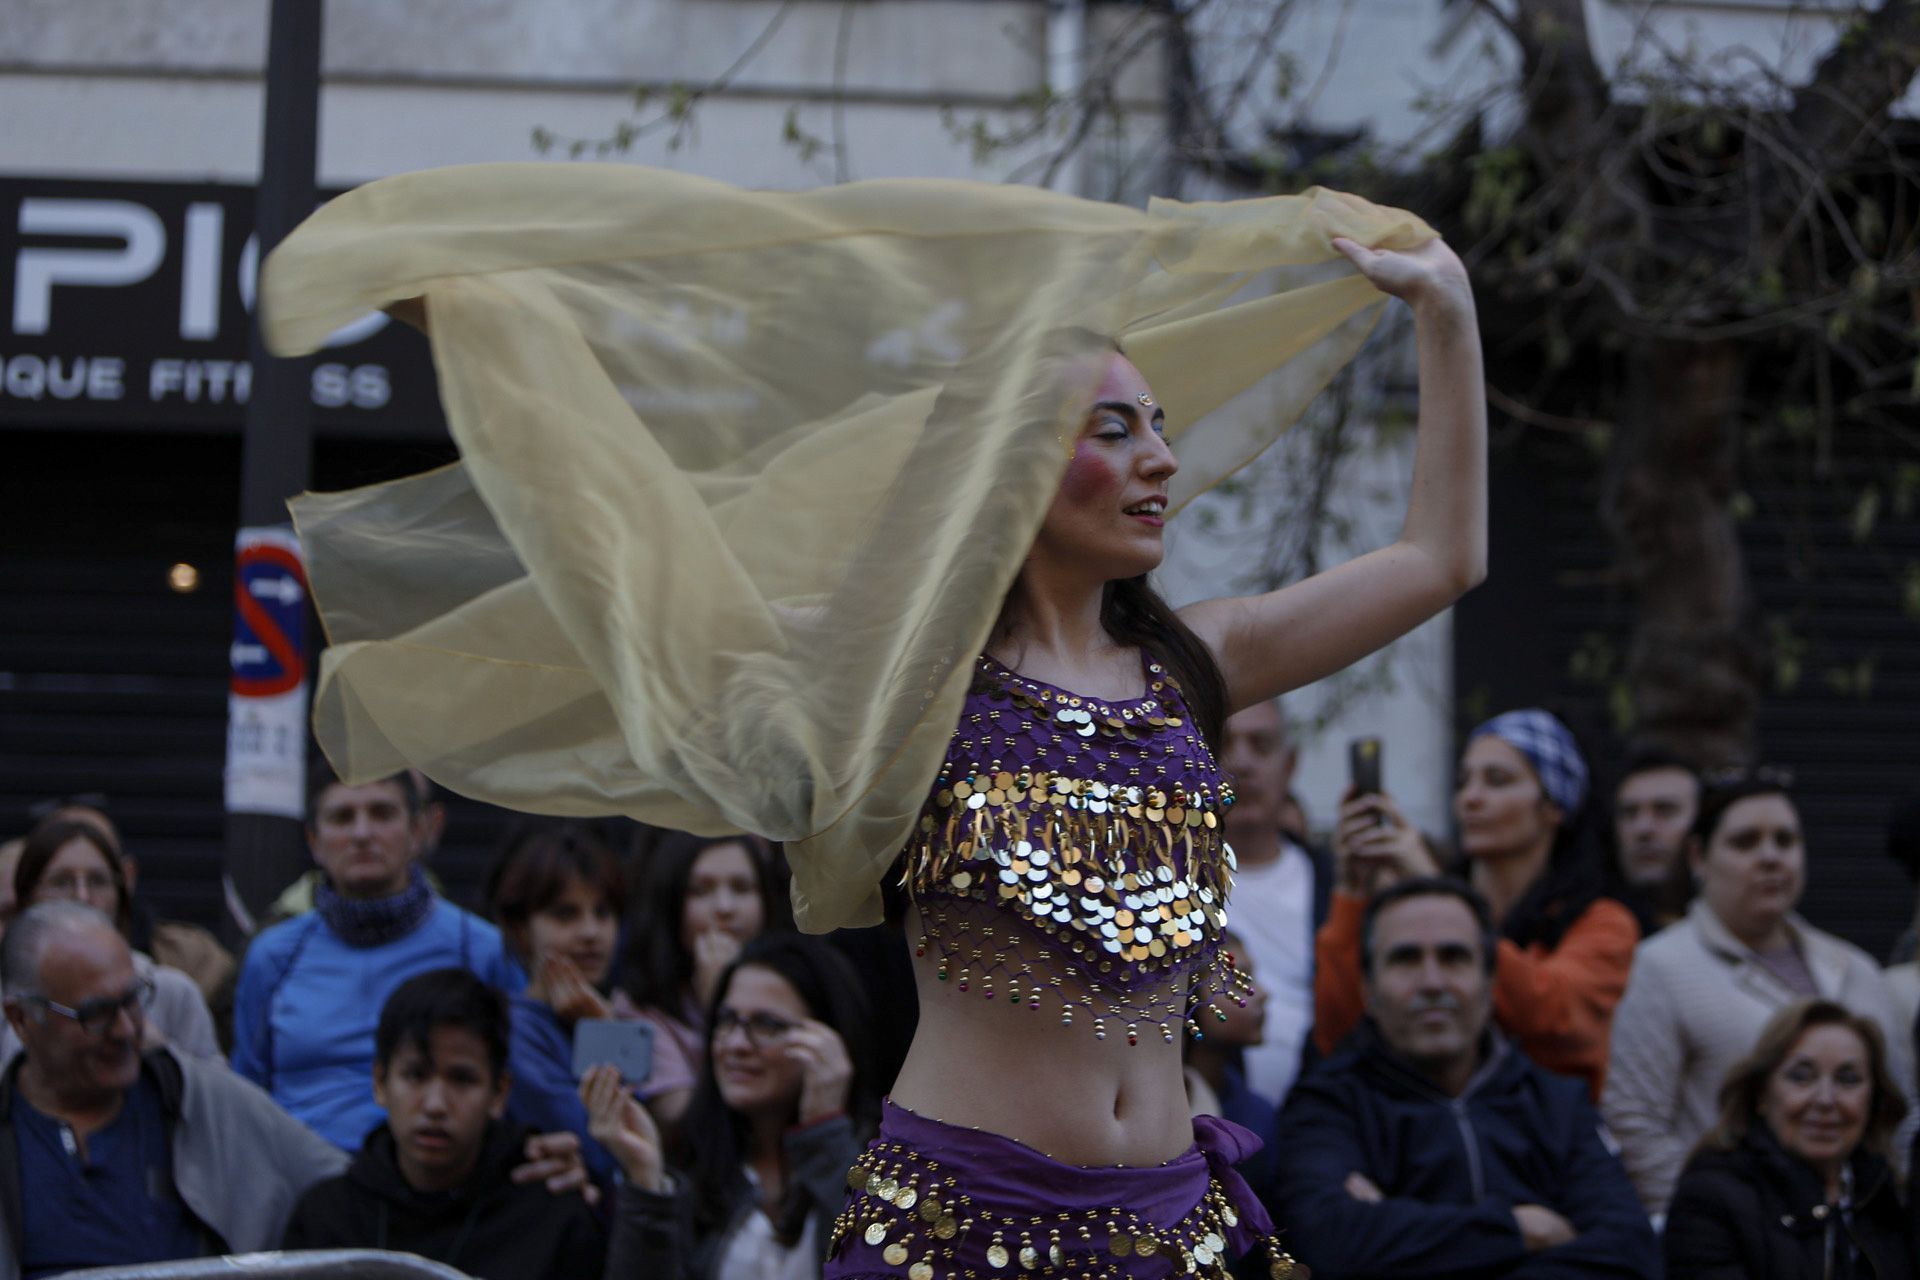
(1363, 766)
(626, 1045)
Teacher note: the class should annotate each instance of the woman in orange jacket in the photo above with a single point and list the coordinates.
(1565, 949)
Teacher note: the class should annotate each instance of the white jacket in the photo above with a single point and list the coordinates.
(1695, 1005)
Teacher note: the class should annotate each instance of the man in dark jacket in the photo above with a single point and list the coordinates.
(1429, 1147)
(436, 1178)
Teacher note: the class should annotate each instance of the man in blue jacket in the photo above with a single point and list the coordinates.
(311, 988)
(1428, 1146)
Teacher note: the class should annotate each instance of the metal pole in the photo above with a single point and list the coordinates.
(266, 848)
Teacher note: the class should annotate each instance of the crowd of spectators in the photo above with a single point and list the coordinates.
(1587, 1036)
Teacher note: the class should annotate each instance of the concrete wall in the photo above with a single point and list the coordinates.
(171, 87)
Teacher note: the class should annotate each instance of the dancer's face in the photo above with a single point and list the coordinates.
(1110, 510)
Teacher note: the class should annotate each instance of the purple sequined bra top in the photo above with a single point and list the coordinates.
(1072, 856)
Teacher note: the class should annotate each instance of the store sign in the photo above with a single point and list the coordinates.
(130, 304)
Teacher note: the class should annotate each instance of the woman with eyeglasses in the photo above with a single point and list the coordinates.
(1702, 989)
(64, 859)
(701, 899)
(751, 1186)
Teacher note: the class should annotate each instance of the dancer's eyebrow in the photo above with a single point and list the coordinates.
(1129, 410)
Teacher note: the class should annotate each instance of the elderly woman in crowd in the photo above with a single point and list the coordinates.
(1565, 948)
(73, 860)
(1794, 1183)
(1702, 989)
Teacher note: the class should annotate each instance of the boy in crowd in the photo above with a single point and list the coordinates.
(436, 1178)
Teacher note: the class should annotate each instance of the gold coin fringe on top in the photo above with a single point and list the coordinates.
(1130, 877)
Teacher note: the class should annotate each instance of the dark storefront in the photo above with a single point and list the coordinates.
(1828, 603)
(123, 380)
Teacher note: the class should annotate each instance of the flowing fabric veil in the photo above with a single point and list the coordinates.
(745, 475)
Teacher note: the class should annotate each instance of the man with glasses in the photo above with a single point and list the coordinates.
(111, 1156)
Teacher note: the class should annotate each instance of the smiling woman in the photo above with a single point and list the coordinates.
(784, 1099)
(867, 575)
(1703, 989)
(1794, 1181)
(72, 860)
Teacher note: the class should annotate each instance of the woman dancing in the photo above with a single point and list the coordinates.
(1067, 873)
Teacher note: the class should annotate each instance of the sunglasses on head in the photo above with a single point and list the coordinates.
(1767, 775)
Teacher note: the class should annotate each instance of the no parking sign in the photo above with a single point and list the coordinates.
(267, 698)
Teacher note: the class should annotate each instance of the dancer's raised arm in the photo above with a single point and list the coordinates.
(1271, 643)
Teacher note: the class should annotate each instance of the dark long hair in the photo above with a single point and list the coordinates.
(712, 1141)
(45, 842)
(1133, 613)
(658, 969)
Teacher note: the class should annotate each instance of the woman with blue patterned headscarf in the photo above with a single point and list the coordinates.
(1565, 951)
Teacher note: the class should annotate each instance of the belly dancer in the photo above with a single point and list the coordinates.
(1066, 875)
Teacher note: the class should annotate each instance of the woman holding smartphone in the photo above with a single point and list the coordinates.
(750, 1188)
(1566, 949)
(557, 895)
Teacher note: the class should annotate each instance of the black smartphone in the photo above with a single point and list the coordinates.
(1363, 766)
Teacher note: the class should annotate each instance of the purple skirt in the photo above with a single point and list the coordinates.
(934, 1201)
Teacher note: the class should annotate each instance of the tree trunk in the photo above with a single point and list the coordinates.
(1693, 666)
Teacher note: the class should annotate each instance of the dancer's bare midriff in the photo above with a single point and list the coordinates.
(1017, 1072)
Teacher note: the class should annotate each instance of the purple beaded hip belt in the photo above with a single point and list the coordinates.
(934, 1201)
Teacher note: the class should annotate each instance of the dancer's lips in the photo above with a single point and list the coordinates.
(1149, 511)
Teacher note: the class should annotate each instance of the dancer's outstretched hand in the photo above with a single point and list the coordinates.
(1427, 276)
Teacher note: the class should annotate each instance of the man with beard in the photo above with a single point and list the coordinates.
(1429, 1146)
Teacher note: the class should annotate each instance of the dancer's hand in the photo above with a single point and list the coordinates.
(826, 1072)
(713, 951)
(1430, 277)
(619, 1123)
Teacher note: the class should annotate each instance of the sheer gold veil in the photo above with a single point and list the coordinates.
(745, 475)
